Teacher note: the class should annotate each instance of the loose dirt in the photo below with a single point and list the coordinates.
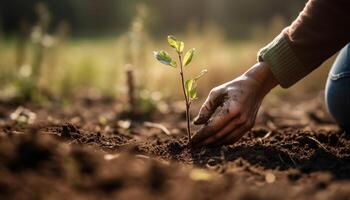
(91, 150)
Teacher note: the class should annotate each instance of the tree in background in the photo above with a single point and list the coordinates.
(237, 18)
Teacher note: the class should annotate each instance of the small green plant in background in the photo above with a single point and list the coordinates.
(189, 87)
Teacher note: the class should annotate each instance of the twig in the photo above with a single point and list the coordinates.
(158, 126)
(271, 125)
(143, 157)
(318, 143)
(279, 155)
(267, 135)
(291, 158)
(131, 88)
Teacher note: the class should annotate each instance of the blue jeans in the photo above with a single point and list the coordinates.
(338, 89)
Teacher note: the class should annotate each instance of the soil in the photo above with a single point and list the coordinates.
(92, 150)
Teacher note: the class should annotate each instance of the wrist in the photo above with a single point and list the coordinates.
(261, 73)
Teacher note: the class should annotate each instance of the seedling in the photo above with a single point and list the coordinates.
(189, 87)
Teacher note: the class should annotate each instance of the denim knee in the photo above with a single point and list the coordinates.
(337, 92)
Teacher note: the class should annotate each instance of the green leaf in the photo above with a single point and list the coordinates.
(189, 85)
(172, 41)
(180, 46)
(164, 57)
(191, 89)
(173, 63)
(201, 74)
(188, 56)
(176, 44)
(193, 95)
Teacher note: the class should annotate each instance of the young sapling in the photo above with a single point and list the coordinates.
(189, 87)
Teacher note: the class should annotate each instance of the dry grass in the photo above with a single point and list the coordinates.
(99, 63)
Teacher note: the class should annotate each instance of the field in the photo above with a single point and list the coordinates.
(76, 136)
(93, 150)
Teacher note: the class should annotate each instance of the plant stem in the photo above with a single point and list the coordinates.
(187, 102)
(131, 89)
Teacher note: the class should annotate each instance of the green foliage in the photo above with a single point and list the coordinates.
(164, 58)
(190, 86)
(180, 47)
(147, 103)
(172, 41)
(236, 18)
(201, 74)
(191, 89)
(176, 44)
(188, 56)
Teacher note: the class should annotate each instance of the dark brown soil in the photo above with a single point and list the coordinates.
(91, 151)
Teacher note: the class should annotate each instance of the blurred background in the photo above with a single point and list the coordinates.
(67, 47)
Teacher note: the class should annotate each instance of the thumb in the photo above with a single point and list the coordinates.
(208, 108)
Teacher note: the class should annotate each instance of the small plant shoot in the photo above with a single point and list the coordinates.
(189, 87)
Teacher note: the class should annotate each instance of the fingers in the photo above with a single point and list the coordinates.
(208, 107)
(219, 120)
(232, 137)
(229, 128)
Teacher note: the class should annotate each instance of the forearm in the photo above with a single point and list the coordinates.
(262, 74)
(320, 31)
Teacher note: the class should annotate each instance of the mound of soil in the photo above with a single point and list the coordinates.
(91, 151)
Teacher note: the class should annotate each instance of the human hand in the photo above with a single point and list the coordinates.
(231, 108)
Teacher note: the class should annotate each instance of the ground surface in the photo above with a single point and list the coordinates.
(91, 150)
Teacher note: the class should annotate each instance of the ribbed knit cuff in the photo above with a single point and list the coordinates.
(282, 61)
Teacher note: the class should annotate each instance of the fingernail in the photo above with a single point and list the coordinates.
(196, 120)
(200, 119)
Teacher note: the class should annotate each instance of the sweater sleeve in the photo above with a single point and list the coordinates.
(320, 30)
